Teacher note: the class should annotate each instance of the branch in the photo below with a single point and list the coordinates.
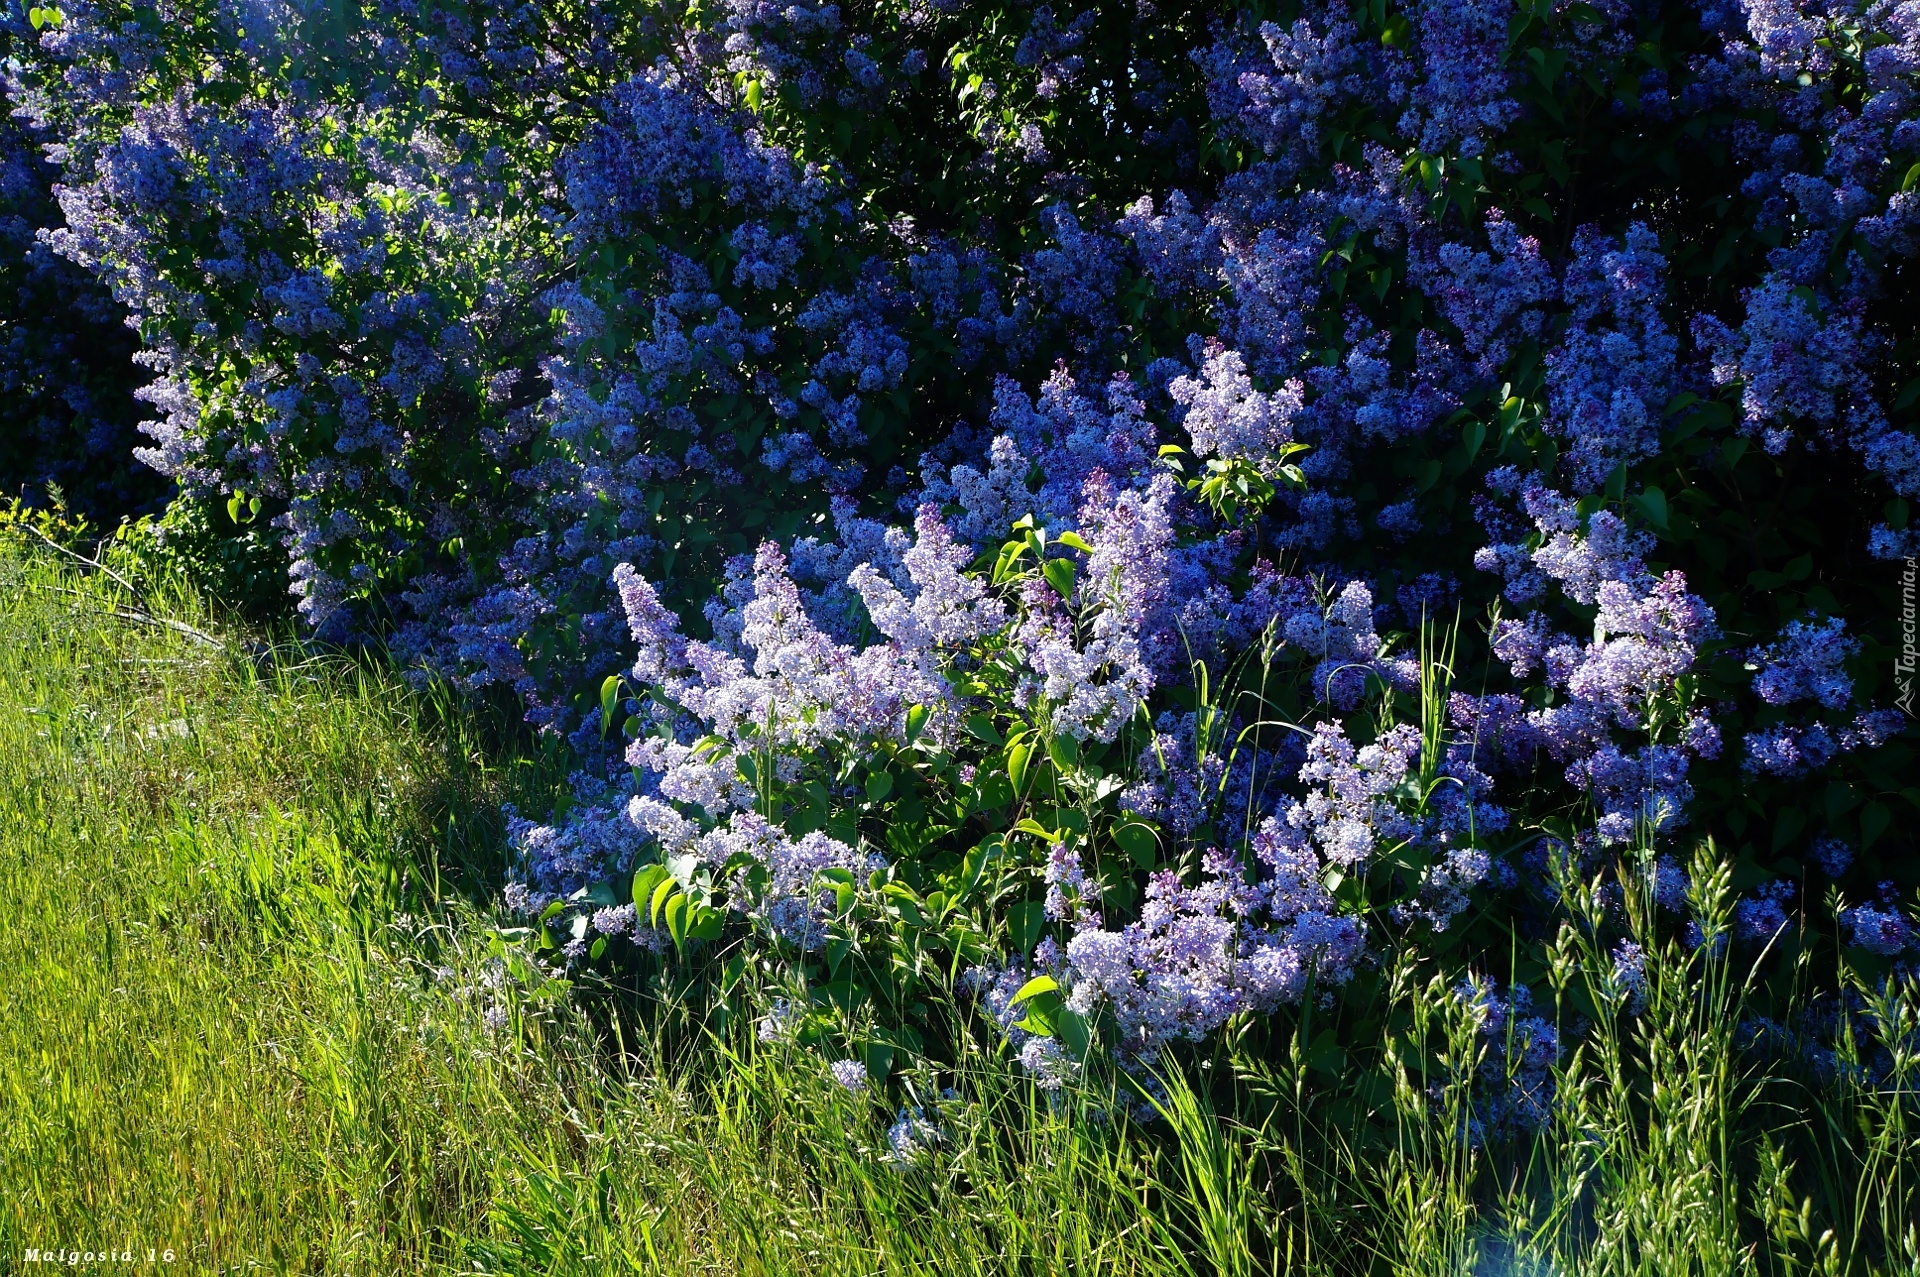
(93, 563)
(148, 618)
(178, 627)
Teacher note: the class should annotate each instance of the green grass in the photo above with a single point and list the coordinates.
(220, 1032)
(253, 1010)
(243, 1015)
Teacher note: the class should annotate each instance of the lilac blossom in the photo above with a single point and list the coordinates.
(1882, 931)
(1465, 100)
(1514, 1084)
(1759, 918)
(850, 1074)
(1047, 1063)
(1199, 955)
(1806, 663)
(1609, 380)
(910, 1137)
(1629, 978)
(1228, 418)
(1832, 855)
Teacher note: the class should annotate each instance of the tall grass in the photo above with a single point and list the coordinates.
(247, 1015)
(254, 1011)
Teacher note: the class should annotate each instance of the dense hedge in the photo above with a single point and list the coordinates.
(1176, 499)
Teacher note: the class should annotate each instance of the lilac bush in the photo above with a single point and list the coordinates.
(1164, 508)
(66, 373)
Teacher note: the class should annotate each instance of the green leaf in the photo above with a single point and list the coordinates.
(1010, 554)
(1653, 504)
(1074, 541)
(1325, 1055)
(707, 923)
(1139, 842)
(667, 887)
(1039, 984)
(1473, 436)
(879, 785)
(1064, 751)
(980, 726)
(1874, 819)
(1073, 1031)
(916, 722)
(1787, 826)
(676, 912)
(1059, 574)
(1025, 922)
(1043, 1015)
(609, 694)
(1017, 766)
(973, 866)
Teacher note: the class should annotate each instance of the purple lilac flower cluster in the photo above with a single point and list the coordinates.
(1199, 955)
(560, 334)
(1514, 1083)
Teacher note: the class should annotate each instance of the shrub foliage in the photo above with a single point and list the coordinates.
(1154, 508)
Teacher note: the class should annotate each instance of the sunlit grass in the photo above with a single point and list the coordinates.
(254, 1011)
(245, 1016)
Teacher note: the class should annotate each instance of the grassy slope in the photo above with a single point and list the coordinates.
(215, 1033)
(239, 1022)
(244, 1017)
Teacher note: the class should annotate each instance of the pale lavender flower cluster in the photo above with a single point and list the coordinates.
(1514, 1088)
(1793, 363)
(1339, 632)
(1628, 980)
(1833, 855)
(1091, 660)
(1609, 380)
(1064, 436)
(911, 1136)
(1794, 749)
(1759, 918)
(1226, 417)
(1199, 955)
(1493, 296)
(1821, 171)
(777, 1025)
(1882, 931)
(1048, 1063)
(1352, 804)
(1806, 663)
(1192, 771)
(1646, 636)
(1066, 881)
